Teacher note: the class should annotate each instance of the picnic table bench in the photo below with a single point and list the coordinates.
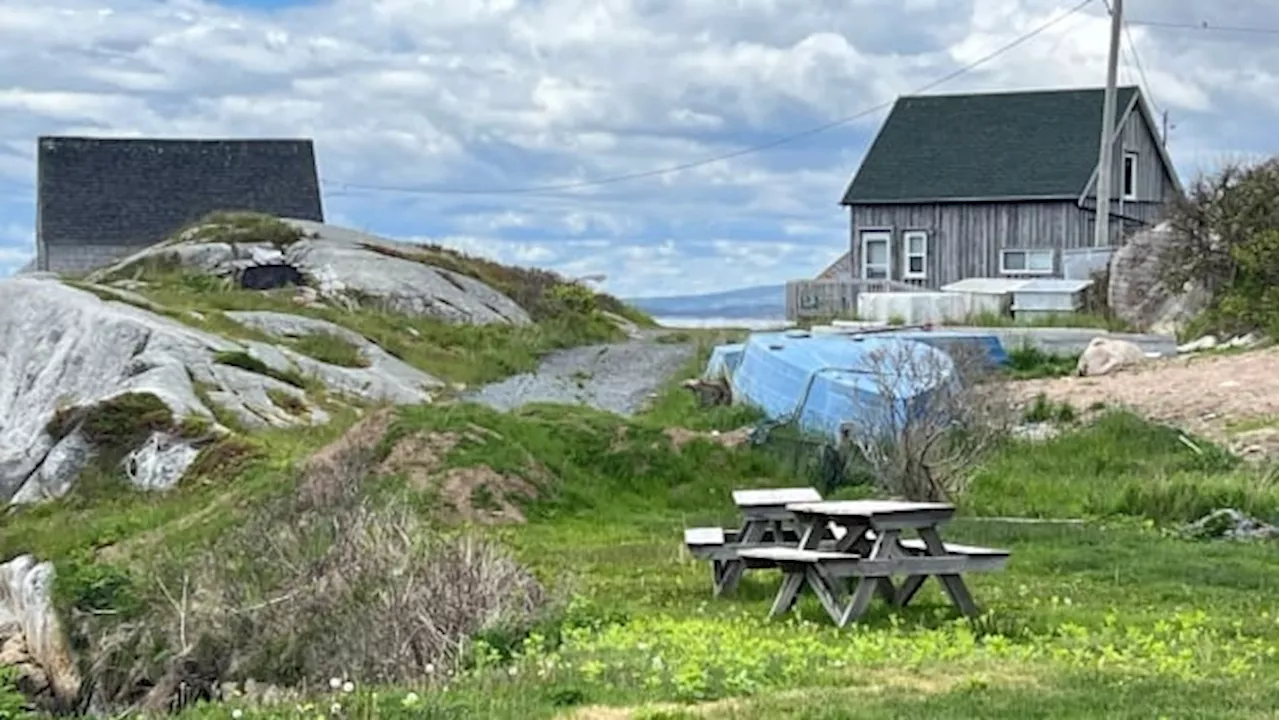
(870, 551)
(766, 523)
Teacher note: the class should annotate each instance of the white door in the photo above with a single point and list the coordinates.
(875, 255)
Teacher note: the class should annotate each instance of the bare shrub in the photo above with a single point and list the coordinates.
(923, 446)
(331, 580)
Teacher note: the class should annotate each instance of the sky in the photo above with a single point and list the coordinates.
(497, 102)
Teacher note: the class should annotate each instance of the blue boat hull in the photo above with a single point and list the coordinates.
(822, 382)
(958, 344)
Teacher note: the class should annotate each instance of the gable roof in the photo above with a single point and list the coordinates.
(138, 191)
(1038, 144)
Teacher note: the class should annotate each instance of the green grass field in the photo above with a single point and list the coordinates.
(1116, 616)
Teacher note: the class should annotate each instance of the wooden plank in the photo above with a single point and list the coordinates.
(850, 565)
(704, 536)
(775, 497)
(953, 548)
(865, 508)
(880, 514)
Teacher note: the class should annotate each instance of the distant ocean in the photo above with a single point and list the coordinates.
(722, 322)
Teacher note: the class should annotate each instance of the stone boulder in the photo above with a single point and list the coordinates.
(1106, 355)
(345, 267)
(65, 353)
(1135, 293)
(32, 641)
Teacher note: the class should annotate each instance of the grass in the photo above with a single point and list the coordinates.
(545, 295)
(1060, 320)
(1028, 362)
(330, 348)
(469, 354)
(245, 361)
(1112, 617)
(240, 227)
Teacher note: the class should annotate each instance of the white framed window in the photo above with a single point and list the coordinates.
(915, 254)
(1129, 176)
(875, 255)
(1026, 262)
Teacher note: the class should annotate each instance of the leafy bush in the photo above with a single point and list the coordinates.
(1225, 237)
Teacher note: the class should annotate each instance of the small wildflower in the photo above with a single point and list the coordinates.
(335, 709)
(334, 683)
(512, 671)
(410, 699)
(348, 686)
(237, 714)
(430, 669)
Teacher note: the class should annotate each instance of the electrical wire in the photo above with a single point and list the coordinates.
(1205, 26)
(1137, 60)
(551, 188)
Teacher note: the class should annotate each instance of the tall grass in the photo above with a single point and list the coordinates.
(1120, 465)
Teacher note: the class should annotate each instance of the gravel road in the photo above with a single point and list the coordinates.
(616, 378)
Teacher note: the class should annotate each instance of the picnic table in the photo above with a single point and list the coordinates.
(766, 522)
(869, 549)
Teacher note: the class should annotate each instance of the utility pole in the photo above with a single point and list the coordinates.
(1102, 219)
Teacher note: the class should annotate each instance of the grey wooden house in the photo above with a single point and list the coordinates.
(101, 199)
(999, 185)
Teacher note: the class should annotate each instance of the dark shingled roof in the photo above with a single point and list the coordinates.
(999, 145)
(137, 192)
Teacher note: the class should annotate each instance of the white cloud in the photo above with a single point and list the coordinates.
(466, 94)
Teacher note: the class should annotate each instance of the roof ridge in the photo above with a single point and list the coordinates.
(1007, 93)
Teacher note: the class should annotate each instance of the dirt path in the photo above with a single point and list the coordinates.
(1233, 399)
(617, 378)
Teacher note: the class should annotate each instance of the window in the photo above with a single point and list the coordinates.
(875, 255)
(915, 249)
(1129, 178)
(1026, 262)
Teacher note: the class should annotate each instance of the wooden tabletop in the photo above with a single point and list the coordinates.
(776, 497)
(868, 508)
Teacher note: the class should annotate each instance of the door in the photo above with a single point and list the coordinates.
(875, 255)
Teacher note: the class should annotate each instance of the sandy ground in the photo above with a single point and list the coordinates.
(1233, 399)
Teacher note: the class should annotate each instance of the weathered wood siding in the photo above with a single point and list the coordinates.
(965, 239)
(1155, 186)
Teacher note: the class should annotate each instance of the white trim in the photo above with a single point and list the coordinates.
(868, 236)
(907, 255)
(1129, 174)
(1026, 270)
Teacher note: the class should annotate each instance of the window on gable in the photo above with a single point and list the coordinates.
(1129, 177)
(1026, 262)
(915, 248)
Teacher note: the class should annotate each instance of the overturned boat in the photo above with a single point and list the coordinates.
(831, 382)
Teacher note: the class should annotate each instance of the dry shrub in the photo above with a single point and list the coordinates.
(924, 447)
(328, 581)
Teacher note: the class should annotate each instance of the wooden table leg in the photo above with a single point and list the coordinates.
(792, 580)
(752, 532)
(953, 584)
(859, 602)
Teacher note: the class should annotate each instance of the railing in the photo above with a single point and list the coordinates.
(837, 298)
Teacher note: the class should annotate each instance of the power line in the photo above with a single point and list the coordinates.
(729, 155)
(1205, 26)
